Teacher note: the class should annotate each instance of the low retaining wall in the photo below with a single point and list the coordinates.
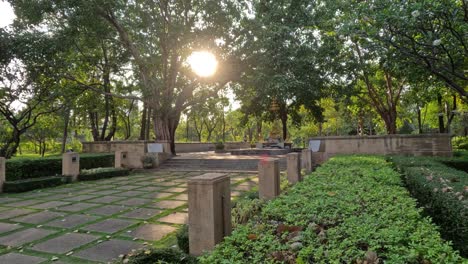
(412, 145)
(141, 146)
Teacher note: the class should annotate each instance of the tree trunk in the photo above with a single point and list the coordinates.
(441, 116)
(66, 119)
(284, 123)
(143, 122)
(419, 121)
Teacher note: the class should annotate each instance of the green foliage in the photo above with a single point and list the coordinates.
(441, 191)
(26, 168)
(460, 143)
(183, 239)
(350, 210)
(161, 256)
(32, 184)
(102, 173)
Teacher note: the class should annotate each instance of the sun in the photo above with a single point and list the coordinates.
(203, 63)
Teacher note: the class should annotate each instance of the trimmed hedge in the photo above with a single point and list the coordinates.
(32, 184)
(102, 173)
(159, 255)
(350, 210)
(440, 190)
(27, 168)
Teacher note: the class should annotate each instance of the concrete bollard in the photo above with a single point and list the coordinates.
(307, 160)
(71, 165)
(120, 159)
(2, 173)
(209, 199)
(268, 178)
(294, 167)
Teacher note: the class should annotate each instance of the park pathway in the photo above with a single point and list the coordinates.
(99, 221)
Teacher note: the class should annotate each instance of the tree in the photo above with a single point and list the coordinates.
(283, 61)
(158, 36)
(28, 87)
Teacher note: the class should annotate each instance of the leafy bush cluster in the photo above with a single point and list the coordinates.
(32, 184)
(460, 143)
(350, 210)
(443, 193)
(159, 256)
(102, 173)
(27, 168)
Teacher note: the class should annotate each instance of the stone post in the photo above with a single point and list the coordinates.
(209, 200)
(307, 160)
(120, 159)
(71, 165)
(2, 173)
(268, 178)
(294, 167)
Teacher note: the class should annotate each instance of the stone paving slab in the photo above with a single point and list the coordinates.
(108, 250)
(109, 225)
(48, 205)
(38, 218)
(108, 210)
(15, 258)
(175, 218)
(64, 243)
(5, 227)
(81, 197)
(76, 207)
(72, 221)
(141, 213)
(151, 232)
(167, 204)
(107, 199)
(24, 236)
(14, 213)
(135, 201)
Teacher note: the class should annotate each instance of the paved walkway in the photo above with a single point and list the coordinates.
(98, 221)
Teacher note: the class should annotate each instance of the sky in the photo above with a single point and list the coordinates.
(6, 14)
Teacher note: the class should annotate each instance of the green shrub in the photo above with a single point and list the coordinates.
(32, 184)
(183, 239)
(102, 173)
(219, 146)
(160, 256)
(350, 210)
(27, 168)
(460, 143)
(440, 190)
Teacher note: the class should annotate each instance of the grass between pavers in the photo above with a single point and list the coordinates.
(140, 181)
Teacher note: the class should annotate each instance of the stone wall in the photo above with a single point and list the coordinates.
(414, 145)
(141, 146)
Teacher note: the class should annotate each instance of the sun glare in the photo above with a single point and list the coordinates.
(203, 63)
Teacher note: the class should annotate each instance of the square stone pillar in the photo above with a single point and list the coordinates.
(120, 159)
(71, 165)
(209, 200)
(2, 173)
(294, 167)
(307, 160)
(268, 178)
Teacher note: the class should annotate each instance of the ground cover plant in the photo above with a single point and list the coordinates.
(443, 193)
(353, 209)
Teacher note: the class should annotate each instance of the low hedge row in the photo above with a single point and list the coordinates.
(102, 173)
(442, 192)
(27, 168)
(32, 184)
(350, 210)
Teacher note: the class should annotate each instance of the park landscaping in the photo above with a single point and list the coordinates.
(352, 209)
